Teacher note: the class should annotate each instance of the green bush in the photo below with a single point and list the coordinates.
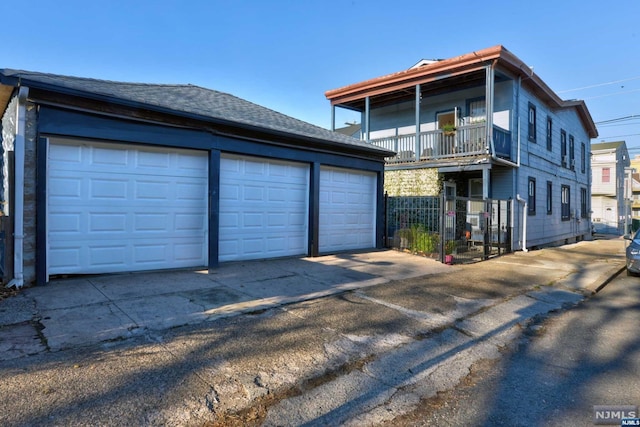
(419, 239)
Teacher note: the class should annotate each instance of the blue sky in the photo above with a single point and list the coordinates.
(285, 54)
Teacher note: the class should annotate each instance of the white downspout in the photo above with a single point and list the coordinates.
(524, 222)
(18, 208)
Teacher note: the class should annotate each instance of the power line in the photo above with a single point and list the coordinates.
(616, 125)
(619, 119)
(618, 136)
(599, 84)
(611, 94)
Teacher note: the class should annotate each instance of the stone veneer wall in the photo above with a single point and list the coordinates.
(8, 138)
(30, 195)
(412, 182)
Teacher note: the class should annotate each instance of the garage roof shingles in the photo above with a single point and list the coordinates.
(183, 99)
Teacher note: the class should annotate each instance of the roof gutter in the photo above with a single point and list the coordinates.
(18, 208)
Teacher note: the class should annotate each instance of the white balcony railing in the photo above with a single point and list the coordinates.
(467, 140)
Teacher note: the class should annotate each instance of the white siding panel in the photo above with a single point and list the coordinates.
(347, 209)
(264, 207)
(115, 207)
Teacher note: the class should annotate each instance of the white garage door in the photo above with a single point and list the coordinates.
(347, 209)
(115, 208)
(263, 208)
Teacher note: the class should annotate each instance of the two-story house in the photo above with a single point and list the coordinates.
(482, 125)
(610, 165)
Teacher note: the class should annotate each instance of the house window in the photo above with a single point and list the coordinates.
(549, 197)
(532, 196)
(583, 157)
(606, 174)
(583, 203)
(532, 123)
(565, 202)
(572, 156)
(549, 133)
(477, 110)
(563, 148)
(475, 188)
(447, 119)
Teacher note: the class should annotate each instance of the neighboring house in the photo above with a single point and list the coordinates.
(610, 202)
(101, 176)
(484, 125)
(352, 129)
(635, 187)
(635, 197)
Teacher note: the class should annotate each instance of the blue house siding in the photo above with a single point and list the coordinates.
(502, 183)
(535, 159)
(546, 165)
(511, 91)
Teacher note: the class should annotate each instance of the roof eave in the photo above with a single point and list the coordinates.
(460, 65)
(457, 66)
(14, 81)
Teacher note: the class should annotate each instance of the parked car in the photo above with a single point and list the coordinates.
(633, 254)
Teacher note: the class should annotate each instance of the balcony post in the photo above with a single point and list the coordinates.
(367, 117)
(486, 184)
(417, 142)
(333, 117)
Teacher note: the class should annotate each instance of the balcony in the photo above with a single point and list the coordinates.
(465, 141)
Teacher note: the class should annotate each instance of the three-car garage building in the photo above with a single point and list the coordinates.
(103, 177)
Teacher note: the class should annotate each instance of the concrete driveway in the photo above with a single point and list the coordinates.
(353, 358)
(82, 311)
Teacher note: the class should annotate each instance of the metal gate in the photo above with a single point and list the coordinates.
(450, 229)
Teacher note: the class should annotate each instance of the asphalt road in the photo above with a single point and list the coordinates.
(563, 366)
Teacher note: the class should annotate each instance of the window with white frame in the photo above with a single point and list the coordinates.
(532, 196)
(565, 202)
(532, 122)
(572, 155)
(476, 188)
(477, 110)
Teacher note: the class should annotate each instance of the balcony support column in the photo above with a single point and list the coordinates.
(333, 117)
(417, 144)
(367, 117)
(486, 184)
